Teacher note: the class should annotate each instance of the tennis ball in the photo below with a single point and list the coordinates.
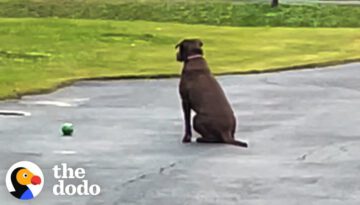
(67, 129)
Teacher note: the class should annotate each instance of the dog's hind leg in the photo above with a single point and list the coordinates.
(208, 140)
(203, 127)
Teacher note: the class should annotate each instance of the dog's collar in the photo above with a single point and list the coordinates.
(194, 56)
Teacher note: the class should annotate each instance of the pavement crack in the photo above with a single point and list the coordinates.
(135, 179)
(267, 81)
(163, 169)
(336, 147)
(145, 175)
(302, 158)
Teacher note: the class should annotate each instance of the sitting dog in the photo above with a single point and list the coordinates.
(200, 92)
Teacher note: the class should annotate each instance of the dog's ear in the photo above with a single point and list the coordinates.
(198, 45)
(179, 44)
(200, 42)
(181, 54)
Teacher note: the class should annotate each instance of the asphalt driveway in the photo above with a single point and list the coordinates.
(302, 128)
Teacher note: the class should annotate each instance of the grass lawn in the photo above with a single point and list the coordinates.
(40, 54)
(214, 12)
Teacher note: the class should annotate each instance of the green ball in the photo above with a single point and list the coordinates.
(67, 129)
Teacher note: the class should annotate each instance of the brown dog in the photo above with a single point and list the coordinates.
(199, 91)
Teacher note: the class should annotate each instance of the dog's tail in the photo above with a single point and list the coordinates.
(239, 143)
(231, 140)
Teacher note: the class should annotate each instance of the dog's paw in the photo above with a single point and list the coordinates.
(186, 140)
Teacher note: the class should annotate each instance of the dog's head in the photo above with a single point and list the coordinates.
(188, 47)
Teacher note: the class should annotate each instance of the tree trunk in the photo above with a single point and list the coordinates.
(274, 3)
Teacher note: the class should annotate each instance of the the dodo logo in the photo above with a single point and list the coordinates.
(24, 180)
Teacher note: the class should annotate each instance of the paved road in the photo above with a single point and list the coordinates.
(303, 129)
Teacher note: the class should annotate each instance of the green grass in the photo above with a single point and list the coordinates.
(39, 54)
(210, 12)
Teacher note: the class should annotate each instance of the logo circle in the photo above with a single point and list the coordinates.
(24, 180)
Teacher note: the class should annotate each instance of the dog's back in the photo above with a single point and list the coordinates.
(204, 92)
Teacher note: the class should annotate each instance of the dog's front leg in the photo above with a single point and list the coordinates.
(187, 115)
